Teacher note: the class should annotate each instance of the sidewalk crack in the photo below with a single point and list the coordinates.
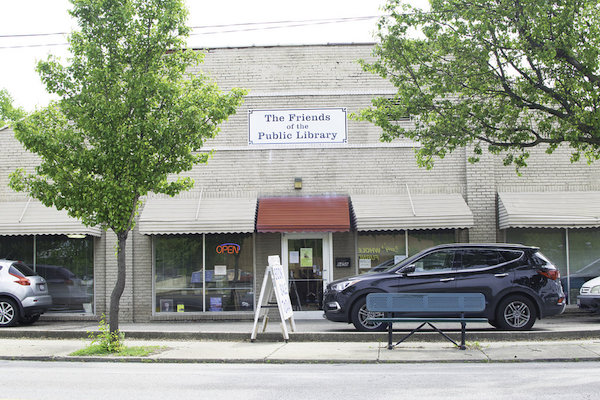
(268, 356)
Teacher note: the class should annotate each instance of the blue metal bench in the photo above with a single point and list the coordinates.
(455, 305)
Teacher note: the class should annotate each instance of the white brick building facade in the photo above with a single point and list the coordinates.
(305, 77)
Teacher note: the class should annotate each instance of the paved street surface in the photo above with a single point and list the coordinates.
(465, 381)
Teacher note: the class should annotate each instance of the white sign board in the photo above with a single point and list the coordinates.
(364, 263)
(279, 285)
(297, 126)
(282, 293)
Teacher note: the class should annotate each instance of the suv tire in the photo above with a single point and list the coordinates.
(30, 320)
(359, 314)
(9, 313)
(516, 313)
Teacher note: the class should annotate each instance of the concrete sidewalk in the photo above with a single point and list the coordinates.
(305, 352)
(569, 337)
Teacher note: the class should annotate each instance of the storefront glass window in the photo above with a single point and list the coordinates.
(424, 239)
(183, 285)
(229, 265)
(550, 241)
(66, 264)
(178, 273)
(380, 249)
(68, 267)
(17, 248)
(584, 258)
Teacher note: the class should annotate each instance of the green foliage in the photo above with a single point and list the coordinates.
(8, 112)
(105, 340)
(128, 117)
(106, 343)
(503, 74)
(134, 351)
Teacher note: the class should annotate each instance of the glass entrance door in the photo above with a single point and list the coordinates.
(307, 259)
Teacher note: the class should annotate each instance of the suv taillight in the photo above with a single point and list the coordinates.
(21, 280)
(553, 274)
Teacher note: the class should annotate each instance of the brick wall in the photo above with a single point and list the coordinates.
(313, 77)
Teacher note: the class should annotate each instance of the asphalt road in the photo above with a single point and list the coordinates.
(58, 380)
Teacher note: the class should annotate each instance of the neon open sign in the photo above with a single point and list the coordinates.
(229, 248)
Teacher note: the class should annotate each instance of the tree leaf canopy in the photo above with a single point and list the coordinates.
(129, 117)
(503, 74)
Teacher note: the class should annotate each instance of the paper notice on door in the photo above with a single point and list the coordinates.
(306, 257)
(294, 257)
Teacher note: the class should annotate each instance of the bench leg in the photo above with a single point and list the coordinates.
(463, 327)
(442, 333)
(410, 334)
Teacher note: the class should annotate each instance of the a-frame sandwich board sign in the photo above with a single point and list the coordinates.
(274, 281)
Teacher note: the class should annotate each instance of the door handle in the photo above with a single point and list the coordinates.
(446, 280)
(501, 275)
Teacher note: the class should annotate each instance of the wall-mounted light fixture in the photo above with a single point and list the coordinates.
(297, 183)
(76, 236)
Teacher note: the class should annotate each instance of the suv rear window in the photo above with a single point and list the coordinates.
(478, 258)
(511, 255)
(485, 258)
(23, 270)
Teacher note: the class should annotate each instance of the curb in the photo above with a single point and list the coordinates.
(150, 360)
(496, 336)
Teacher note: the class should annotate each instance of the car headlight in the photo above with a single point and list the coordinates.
(340, 286)
(595, 289)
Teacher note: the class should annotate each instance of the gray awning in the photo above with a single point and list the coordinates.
(204, 215)
(33, 218)
(417, 211)
(548, 210)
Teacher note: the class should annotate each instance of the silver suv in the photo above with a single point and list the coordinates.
(23, 294)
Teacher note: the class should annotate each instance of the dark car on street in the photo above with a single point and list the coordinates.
(520, 285)
(577, 279)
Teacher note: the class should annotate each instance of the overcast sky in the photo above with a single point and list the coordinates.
(301, 22)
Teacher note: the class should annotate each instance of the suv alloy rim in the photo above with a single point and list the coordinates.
(363, 314)
(517, 314)
(7, 312)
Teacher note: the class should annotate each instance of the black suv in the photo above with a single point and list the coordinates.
(518, 282)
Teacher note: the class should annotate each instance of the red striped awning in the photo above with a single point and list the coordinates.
(303, 214)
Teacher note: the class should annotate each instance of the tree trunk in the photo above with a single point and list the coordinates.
(115, 296)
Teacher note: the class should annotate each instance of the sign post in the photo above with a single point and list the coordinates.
(274, 273)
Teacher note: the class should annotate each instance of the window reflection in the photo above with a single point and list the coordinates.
(419, 240)
(377, 251)
(183, 283)
(66, 264)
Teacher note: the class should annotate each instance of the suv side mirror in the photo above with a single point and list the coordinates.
(408, 269)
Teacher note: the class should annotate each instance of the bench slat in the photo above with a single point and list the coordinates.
(426, 302)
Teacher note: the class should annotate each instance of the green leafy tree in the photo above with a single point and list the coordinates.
(504, 74)
(8, 112)
(128, 119)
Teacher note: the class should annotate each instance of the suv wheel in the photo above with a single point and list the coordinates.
(360, 314)
(516, 313)
(8, 313)
(29, 320)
